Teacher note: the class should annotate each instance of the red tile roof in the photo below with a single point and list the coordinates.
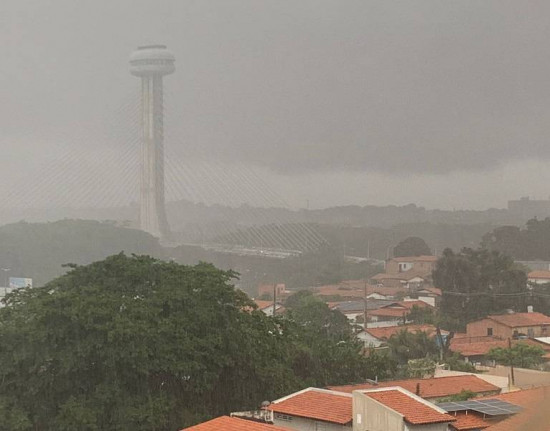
(536, 415)
(521, 319)
(316, 404)
(430, 388)
(387, 332)
(481, 348)
(413, 410)
(470, 421)
(543, 275)
(226, 423)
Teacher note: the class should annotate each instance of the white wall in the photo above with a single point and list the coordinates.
(304, 424)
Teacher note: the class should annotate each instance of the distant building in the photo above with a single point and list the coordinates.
(512, 325)
(539, 277)
(526, 208)
(420, 264)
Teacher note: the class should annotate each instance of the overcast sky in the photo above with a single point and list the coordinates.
(440, 103)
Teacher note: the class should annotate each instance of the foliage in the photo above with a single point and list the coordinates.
(421, 315)
(133, 343)
(530, 243)
(456, 363)
(420, 368)
(520, 355)
(464, 395)
(329, 353)
(406, 345)
(412, 246)
(478, 282)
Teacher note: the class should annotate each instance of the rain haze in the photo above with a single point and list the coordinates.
(441, 104)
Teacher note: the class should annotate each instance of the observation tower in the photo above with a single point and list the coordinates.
(151, 63)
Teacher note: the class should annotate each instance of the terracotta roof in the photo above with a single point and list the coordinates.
(536, 415)
(545, 275)
(415, 259)
(350, 289)
(398, 308)
(404, 276)
(470, 421)
(483, 347)
(226, 423)
(414, 411)
(387, 332)
(434, 290)
(521, 319)
(317, 404)
(430, 388)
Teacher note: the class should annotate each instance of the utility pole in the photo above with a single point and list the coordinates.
(274, 298)
(512, 376)
(365, 308)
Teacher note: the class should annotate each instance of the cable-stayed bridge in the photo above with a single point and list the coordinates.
(94, 172)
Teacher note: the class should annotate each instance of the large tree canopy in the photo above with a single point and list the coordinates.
(133, 343)
(476, 283)
(411, 246)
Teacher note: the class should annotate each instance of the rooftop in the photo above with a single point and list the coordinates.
(226, 423)
(415, 411)
(319, 404)
(465, 422)
(514, 320)
(539, 275)
(480, 348)
(429, 388)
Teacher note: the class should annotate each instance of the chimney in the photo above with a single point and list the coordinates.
(529, 308)
(417, 392)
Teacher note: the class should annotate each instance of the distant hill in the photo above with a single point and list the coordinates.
(38, 250)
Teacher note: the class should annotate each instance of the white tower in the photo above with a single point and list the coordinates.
(151, 63)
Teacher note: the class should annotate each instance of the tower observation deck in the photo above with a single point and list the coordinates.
(151, 63)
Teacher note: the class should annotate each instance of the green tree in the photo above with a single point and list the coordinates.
(411, 246)
(133, 343)
(421, 315)
(478, 282)
(520, 355)
(406, 345)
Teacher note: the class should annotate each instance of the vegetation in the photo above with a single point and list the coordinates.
(520, 355)
(531, 243)
(412, 246)
(476, 283)
(464, 395)
(134, 343)
(405, 346)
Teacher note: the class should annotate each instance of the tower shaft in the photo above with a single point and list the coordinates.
(152, 214)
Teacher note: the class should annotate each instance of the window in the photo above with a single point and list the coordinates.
(490, 332)
(530, 332)
(283, 417)
(321, 426)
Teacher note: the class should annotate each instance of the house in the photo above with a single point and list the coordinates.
(430, 389)
(538, 277)
(424, 264)
(396, 311)
(267, 307)
(511, 325)
(396, 409)
(476, 351)
(375, 337)
(354, 309)
(408, 280)
(227, 423)
(313, 409)
(267, 289)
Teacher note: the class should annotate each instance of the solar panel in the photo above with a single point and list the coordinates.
(490, 407)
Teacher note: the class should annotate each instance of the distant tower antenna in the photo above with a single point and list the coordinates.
(151, 63)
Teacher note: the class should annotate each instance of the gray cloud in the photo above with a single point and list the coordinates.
(424, 87)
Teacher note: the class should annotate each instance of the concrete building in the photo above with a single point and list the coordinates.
(395, 409)
(151, 63)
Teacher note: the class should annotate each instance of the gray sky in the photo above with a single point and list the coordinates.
(441, 103)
